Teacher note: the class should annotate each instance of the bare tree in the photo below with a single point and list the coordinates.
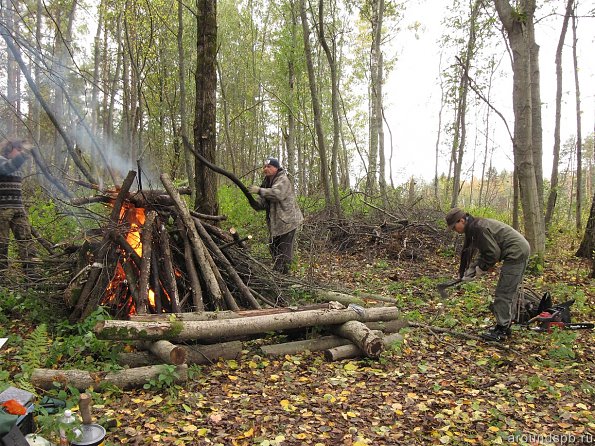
(205, 106)
(579, 137)
(518, 23)
(316, 107)
(551, 202)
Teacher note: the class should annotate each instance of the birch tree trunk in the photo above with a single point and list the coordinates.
(331, 58)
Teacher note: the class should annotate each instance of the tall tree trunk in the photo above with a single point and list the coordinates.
(553, 195)
(12, 74)
(579, 137)
(188, 157)
(461, 112)
(324, 172)
(516, 26)
(291, 109)
(205, 107)
(331, 58)
(439, 130)
(374, 91)
(587, 247)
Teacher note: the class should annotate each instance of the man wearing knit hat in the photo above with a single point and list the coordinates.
(13, 217)
(493, 241)
(276, 196)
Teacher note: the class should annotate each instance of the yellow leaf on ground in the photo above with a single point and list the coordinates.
(249, 433)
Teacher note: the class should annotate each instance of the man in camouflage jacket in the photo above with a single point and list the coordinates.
(276, 196)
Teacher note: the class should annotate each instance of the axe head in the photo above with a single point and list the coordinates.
(443, 286)
(442, 290)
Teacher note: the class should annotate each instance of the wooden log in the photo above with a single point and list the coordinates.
(125, 246)
(217, 232)
(208, 217)
(137, 359)
(353, 351)
(343, 298)
(234, 328)
(228, 302)
(167, 352)
(241, 242)
(375, 297)
(217, 315)
(196, 243)
(131, 278)
(85, 408)
(156, 284)
(146, 237)
(169, 275)
(195, 354)
(86, 304)
(388, 326)
(312, 345)
(227, 266)
(124, 379)
(208, 354)
(190, 316)
(357, 332)
(195, 287)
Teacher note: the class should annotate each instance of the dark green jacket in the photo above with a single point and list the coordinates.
(493, 241)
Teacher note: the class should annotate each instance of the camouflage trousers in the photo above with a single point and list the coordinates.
(16, 220)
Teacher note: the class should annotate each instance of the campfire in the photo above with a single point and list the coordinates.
(156, 256)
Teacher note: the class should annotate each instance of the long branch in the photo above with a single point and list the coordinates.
(221, 171)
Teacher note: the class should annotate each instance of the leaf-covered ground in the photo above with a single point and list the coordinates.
(433, 388)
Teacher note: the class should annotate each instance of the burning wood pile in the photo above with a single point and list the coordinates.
(156, 256)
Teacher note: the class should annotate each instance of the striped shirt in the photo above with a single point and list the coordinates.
(10, 182)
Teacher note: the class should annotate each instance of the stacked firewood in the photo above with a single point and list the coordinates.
(204, 337)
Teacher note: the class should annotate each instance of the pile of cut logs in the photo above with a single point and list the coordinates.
(173, 339)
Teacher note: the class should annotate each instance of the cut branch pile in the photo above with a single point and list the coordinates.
(185, 264)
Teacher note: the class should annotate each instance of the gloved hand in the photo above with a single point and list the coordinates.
(253, 189)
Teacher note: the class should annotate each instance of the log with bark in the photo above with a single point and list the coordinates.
(217, 315)
(218, 330)
(167, 352)
(124, 379)
(361, 336)
(195, 354)
(351, 350)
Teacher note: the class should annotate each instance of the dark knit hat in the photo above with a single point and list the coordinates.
(270, 161)
(453, 216)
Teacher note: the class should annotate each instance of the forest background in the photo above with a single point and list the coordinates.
(106, 87)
